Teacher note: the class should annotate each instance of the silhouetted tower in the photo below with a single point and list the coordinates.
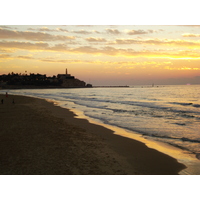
(66, 70)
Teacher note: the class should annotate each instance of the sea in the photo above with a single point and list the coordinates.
(166, 117)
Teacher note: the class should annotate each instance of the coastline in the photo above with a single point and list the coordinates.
(38, 137)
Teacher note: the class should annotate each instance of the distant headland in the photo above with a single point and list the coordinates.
(34, 81)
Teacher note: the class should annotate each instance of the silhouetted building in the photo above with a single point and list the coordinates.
(42, 81)
(65, 76)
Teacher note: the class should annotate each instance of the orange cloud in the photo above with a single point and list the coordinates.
(6, 51)
(142, 32)
(23, 45)
(53, 60)
(49, 30)
(113, 31)
(25, 57)
(182, 68)
(190, 35)
(4, 56)
(35, 36)
(186, 43)
(92, 39)
(82, 32)
(137, 32)
(107, 50)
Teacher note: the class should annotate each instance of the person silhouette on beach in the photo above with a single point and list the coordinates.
(6, 94)
(2, 101)
(13, 101)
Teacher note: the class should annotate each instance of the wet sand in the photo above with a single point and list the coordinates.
(39, 138)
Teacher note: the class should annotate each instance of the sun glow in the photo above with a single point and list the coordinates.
(101, 53)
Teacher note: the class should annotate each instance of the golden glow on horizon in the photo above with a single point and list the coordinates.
(102, 53)
(182, 68)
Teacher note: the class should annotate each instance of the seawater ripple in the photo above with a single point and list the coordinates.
(186, 104)
(170, 114)
(94, 103)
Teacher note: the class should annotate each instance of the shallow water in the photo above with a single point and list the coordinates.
(169, 114)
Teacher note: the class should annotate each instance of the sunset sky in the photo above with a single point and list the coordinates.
(104, 54)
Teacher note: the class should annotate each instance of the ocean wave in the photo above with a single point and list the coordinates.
(92, 100)
(187, 116)
(196, 105)
(182, 104)
(186, 104)
(120, 110)
(137, 108)
(180, 124)
(145, 112)
(184, 139)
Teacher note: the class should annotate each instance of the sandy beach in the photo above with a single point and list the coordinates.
(40, 138)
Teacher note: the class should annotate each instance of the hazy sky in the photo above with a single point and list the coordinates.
(104, 55)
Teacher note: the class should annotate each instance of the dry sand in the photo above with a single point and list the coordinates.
(38, 138)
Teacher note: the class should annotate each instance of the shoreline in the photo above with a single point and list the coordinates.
(70, 145)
